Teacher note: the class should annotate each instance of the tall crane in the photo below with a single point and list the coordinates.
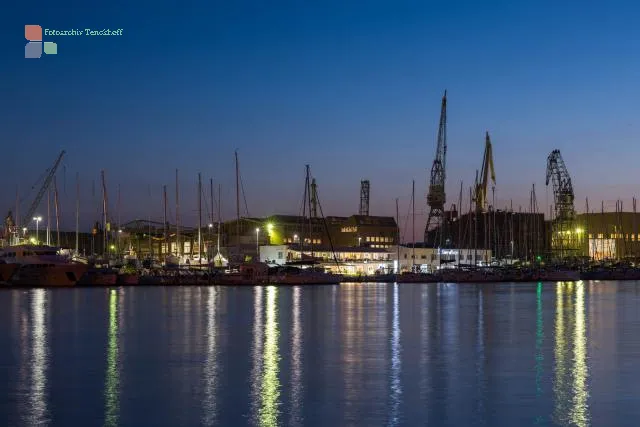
(436, 197)
(565, 237)
(43, 189)
(482, 182)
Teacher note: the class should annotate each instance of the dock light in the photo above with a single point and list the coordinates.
(269, 227)
(210, 225)
(112, 247)
(579, 230)
(119, 231)
(37, 219)
(24, 230)
(258, 242)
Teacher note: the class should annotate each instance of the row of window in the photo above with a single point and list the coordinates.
(381, 246)
(378, 239)
(627, 236)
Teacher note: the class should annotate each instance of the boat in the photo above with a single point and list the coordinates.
(6, 271)
(559, 275)
(41, 266)
(99, 277)
(304, 276)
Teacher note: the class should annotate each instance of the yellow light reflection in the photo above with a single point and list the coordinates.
(38, 389)
(296, 360)
(570, 385)
(210, 369)
(396, 387)
(270, 388)
(256, 350)
(579, 412)
(112, 381)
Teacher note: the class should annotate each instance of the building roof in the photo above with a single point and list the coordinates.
(381, 221)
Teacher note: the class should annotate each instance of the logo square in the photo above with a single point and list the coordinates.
(50, 48)
(33, 50)
(33, 33)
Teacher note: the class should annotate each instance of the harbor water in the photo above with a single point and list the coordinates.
(346, 355)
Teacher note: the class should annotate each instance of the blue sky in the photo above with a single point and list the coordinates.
(352, 88)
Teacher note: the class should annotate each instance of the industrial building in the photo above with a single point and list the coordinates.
(609, 235)
(506, 234)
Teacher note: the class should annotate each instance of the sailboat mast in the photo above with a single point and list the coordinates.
(149, 222)
(48, 237)
(166, 232)
(413, 224)
(308, 191)
(55, 203)
(398, 236)
(237, 205)
(199, 218)
(77, 212)
(219, 216)
(178, 245)
(211, 215)
(104, 215)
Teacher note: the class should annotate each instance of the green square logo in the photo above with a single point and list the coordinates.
(50, 48)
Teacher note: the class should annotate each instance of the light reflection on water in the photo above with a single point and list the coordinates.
(112, 377)
(38, 392)
(270, 387)
(498, 355)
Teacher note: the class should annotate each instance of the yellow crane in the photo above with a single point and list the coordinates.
(482, 181)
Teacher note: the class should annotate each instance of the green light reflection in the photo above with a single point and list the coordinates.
(270, 387)
(560, 381)
(112, 383)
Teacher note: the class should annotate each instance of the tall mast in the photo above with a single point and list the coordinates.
(413, 224)
(237, 205)
(398, 237)
(459, 240)
(219, 216)
(211, 215)
(77, 212)
(166, 232)
(55, 203)
(308, 191)
(118, 224)
(149, 222)
(199, 218)
(105, 224)
(178, 245)
(17, 220)
(48, 237)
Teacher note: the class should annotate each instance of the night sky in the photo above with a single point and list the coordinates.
(352, 90)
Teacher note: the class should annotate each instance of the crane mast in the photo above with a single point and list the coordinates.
(482, 182)
(436, 198)
(565, 236)
(43, 189)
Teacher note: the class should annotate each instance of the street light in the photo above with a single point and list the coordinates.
(359, 241)
(258, 243)
(37, 219)
(24, 231)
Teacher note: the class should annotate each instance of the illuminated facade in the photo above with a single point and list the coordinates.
(610, 235)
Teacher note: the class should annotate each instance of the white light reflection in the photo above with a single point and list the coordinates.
(296, 361)
(396, 361)
(481, 351)
(579, 412)
(112, 378)
(539, 350)
(270, 387)
(256, 350)
(424, 342)
(37, 393)
(559, 384)
(210, 369)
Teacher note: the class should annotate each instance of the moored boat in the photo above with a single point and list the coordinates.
(40, 266)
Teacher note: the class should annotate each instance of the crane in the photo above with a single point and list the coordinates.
(565, 235)
(436, 197)
(43, 189)
(482, 183)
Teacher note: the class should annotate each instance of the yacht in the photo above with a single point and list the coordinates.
(40, 266)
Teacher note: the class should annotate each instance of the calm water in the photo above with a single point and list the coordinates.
(366, 355)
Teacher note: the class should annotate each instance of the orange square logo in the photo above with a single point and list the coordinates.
(33, 33)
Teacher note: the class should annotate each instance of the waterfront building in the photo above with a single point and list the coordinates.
(361, 260)
(609, 235)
